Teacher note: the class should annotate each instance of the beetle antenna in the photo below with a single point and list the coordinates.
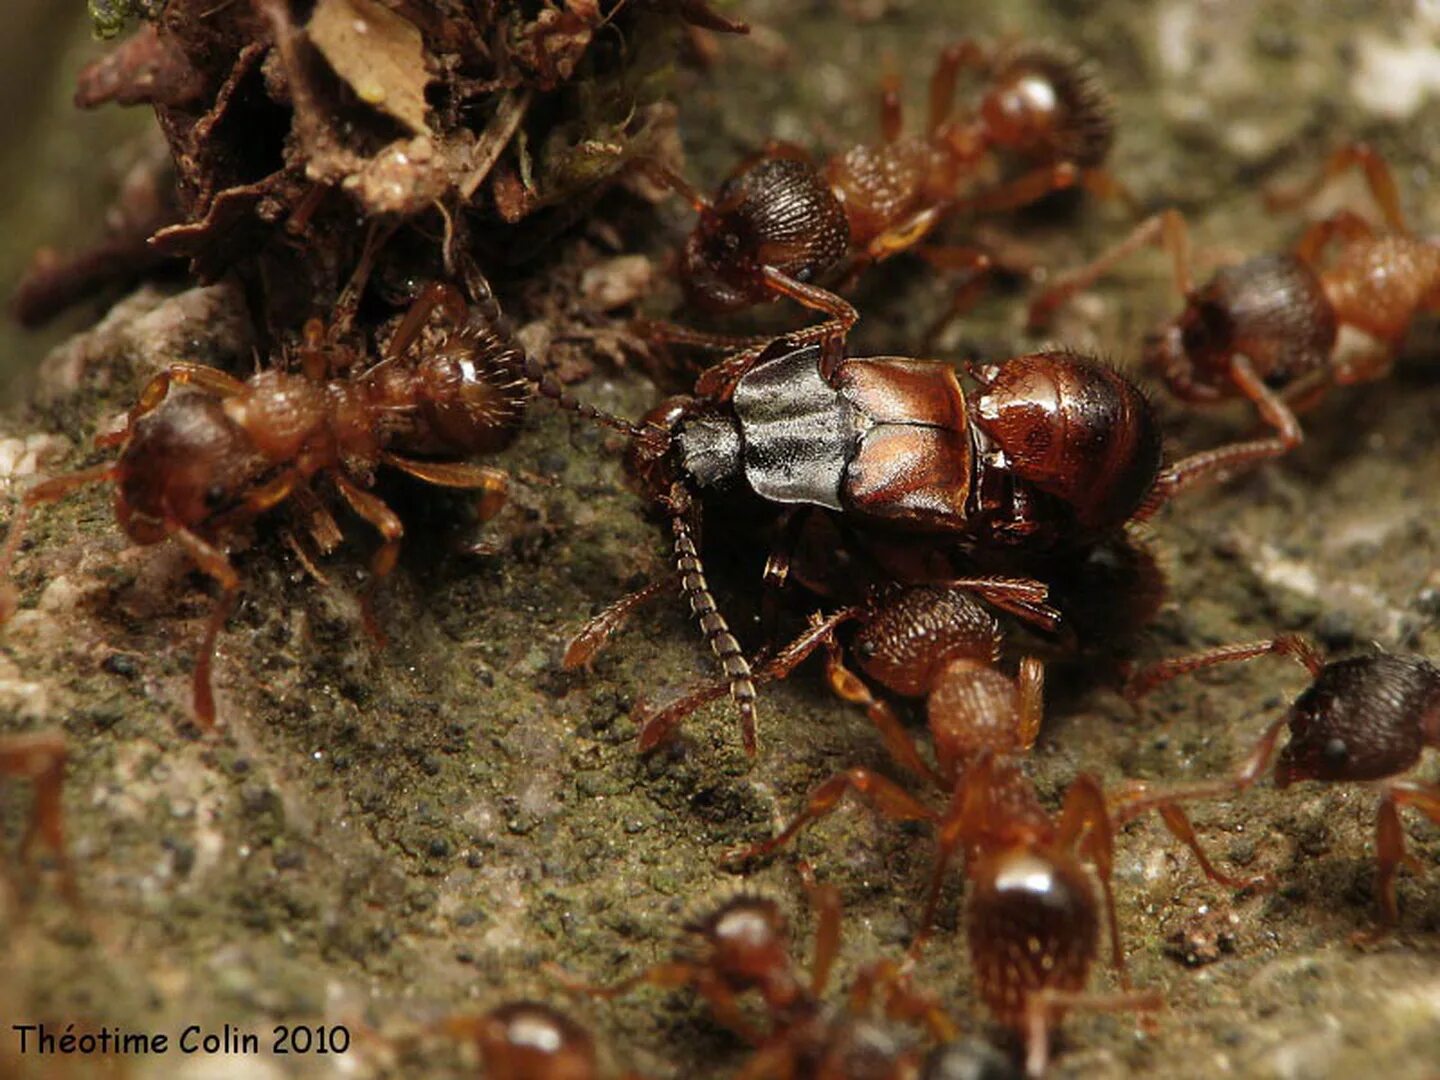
(712, 624)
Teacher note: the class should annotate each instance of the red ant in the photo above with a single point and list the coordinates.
(526, 1040)
(780, 221)
(1267, 329)
(195, 467)
(742, 948)
(1031, 920)
(1364, 718)
(1054, 450)
(40, 758)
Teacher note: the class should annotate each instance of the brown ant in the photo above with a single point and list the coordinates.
(40, 758)
(1364, 718)
(1055, 449)
(742, 948)
(1032, 917)
(1267, 329)
(194, 467)
(780, 220)
(527, 1040)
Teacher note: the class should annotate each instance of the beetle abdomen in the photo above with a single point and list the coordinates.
(1076, 429)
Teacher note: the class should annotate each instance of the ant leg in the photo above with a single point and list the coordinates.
(880, 795)
(437, 294)
(1085, 826)
(1129, 806)
(212, 561)
(1044, 1007)
(1023, 190)
(712, 624)
(40, 758)
(1390, 852)
(1378, 179)
(1345, 225)
(842, 314)
(493, 484)
(669, 333)
(661, 725)
(1271, 406)
(910, 232)
(825, 901)
(898, 744)
(1167, 228)
(1294, 646)
(1031, 683)
(717, 382)
(600, 629)
(892, 112)
(953, 59)
(391, 530)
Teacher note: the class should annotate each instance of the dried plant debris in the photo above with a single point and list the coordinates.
(295, 127)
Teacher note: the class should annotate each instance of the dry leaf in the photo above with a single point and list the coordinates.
(379, 53)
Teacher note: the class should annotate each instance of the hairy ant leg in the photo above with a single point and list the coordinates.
(1390, 853)
(1167, 228)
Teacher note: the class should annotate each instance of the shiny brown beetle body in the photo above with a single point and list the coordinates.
(1268, 329)
(1361, 719)
(1055, 450)
(196, 466)
(781, 216)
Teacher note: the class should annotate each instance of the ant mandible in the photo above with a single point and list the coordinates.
(1268, 329)
(194, 467)
(1032, 917)
(780, 220)
(1364, 718)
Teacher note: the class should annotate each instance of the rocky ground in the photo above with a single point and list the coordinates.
(379, 838)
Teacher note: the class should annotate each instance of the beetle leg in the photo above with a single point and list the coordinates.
(600, 629)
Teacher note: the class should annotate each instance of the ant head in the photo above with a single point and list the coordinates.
(1076, 429)
(1361, 719)
(747, 941)
(777, 212)
(1045, 103)
(186, 461)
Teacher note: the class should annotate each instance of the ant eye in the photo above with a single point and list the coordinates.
(864, 649)
(214, 495)
(1335, 752)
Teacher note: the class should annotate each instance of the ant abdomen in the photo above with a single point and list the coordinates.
(1363, 718)
(1032, 926)
(187, 460)
(1045, 104)
(472, 391)
(1075, 429)
(777, 213)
